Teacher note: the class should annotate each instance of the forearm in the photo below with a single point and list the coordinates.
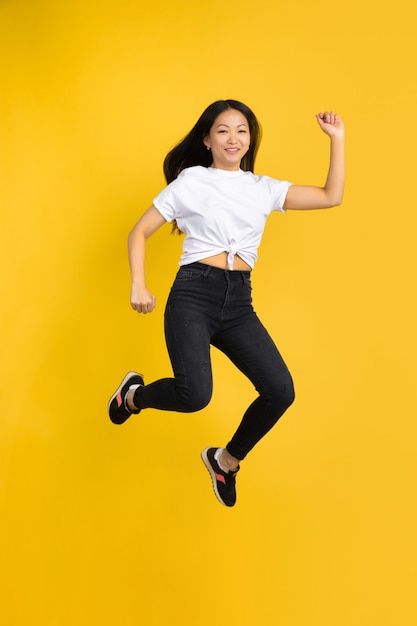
(335, 181)
(143, 229)
(136, 253)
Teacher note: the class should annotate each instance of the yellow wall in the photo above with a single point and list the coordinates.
(118, 526)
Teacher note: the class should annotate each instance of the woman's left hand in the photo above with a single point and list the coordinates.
(331, 123)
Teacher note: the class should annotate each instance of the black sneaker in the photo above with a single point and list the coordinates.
(118, 412)
(224, 483)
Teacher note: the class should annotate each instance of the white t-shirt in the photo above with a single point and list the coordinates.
(221, 211)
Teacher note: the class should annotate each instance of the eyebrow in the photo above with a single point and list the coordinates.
(228, 126)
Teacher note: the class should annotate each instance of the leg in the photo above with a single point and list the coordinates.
(188, 327)
(189, 349)
(251, 349)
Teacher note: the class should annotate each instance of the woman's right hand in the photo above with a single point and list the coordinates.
(141, 299)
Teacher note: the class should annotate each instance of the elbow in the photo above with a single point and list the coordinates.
(135, 235)
(335, 201)
(130, 238)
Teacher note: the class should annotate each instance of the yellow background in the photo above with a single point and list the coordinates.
(119, 526)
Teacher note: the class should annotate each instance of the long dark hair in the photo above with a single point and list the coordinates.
(192, 151)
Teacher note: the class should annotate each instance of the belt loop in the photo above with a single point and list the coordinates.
(207, 271)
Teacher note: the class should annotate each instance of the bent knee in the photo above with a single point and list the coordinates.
(283, 394)
(289, 394)
(196, 400)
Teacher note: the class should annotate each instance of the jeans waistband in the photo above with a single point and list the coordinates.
(218, 271)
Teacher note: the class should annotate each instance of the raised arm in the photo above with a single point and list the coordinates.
(309, 197)
(141, 299)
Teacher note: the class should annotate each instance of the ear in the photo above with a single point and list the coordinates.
(206, 142)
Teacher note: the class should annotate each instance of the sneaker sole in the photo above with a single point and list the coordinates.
(119, 388)
(212, 474)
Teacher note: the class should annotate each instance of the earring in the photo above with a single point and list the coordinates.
(208, 148)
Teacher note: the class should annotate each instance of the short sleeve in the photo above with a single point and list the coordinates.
(167, 202)
(279, 190)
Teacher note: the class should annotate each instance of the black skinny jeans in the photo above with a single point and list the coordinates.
(208, 305)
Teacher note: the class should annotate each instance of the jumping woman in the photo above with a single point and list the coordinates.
(214, 198)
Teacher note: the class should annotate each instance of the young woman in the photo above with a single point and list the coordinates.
(221, 206)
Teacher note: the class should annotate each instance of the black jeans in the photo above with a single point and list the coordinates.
(210, 306)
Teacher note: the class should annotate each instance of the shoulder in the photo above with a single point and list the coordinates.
(189, 177)
(187, 181)
(268, 183)
(194, 172)
(184, 178)
(265, 180)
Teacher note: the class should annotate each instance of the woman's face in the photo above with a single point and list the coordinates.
(228, 140)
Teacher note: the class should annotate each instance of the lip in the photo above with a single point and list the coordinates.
(232, 150)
